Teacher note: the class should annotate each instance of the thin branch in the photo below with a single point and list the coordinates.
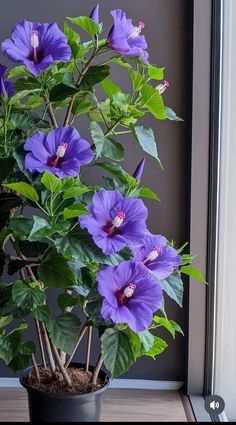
(76, 345)
(89, 344)
(60, 365)
(65, 310)
(48, 349)
(35, 367)
(50, 111)
(39, 333)
(22, 274)
(97, 370)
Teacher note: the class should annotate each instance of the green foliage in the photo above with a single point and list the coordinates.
(27, 295)
(51, 182)
(153, 101)
(193, 272)
(64, 331)
(173, 286)
(146, 139)
(54, 271)
(117, 351)
(104, 145)
(169, 325)
(86, 24)
(23, 189)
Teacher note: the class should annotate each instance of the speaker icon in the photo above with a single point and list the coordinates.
(214, 405)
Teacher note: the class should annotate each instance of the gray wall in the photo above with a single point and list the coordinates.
(168, 31)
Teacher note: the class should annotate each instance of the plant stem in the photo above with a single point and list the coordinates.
(48, 349)
(89, 343)
(35, 367)
(22, 274)
(50, 111)
(97, 370)
(79, 81)
(112, 128)
(65, 310)
(76, 345)
(61, 366)
(39, 333)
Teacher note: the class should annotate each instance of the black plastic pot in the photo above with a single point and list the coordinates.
(46, 407)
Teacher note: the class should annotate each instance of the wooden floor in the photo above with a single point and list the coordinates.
(119, 406)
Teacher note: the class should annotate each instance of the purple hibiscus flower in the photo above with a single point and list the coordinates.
(130, 294)
(94, 15)
(157, 256)
(115, 221)
(37, 46)
(6, 87)
(125, 38)
(139, 170)
(60, 152)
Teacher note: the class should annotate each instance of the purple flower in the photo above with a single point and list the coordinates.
(60, 152)
(130, 294)
(94, 15)
(125, 38)
(115, 221)
(157, 256)
(6, 87)
(37, 46)
(139, 170)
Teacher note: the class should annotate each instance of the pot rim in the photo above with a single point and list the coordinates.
(64, 396)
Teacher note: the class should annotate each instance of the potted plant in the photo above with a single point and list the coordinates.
(87, 245)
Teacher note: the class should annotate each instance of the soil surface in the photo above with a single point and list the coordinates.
(81, 382)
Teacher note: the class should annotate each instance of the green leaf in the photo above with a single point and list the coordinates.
(135, 343)
(145, 136)
(51, 182)
(26, 296)
(187, 259)
(147, 339)
(159, 345)
(74, 188)
(43, 229)
(42, 313)
(78, 245)
(4, 321)
(75, 210)
(106, 146)
(155, 73)
(73, 39)
(61, 92)
(170, 325)
(81, 106)
(94, 75)
(117, 352)
(137, 80)
(87, 24)
(117, 171)
(21, 94)
(6, 167)
(21, 227)
(55, 272)
(32, 249)
(173, 286)
(101, 111)
(109, 87)
(64, 331)
(17, 71)
(193, 272)
(153, 101)
(171, 115)
(67, 300)
(24, 189)
(145, 192)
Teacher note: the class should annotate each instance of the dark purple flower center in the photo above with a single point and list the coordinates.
(153, 255)
(111, 227)
(37, 54)
(125, 294)
(57, 159)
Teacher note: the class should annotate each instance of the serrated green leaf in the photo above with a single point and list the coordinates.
(81, 106)
(104, 145)
(54, 272)
(26, 296)
(153, 101)
(145, 192)
(4, 321)
(73, 188)
(23, 189)
(145, 136)
(147, 340)
(117, 352)
(159, 346)
(170, 325)
(173, 286)
(117, 171)
(87, 24)
(137, 80)
(67, 300)
(193, 272)
(64, 331)
(17, 71)
(109, 87)
(155, 73)
(94, 75)
(42, 313)
(21, 227)
(51, 182)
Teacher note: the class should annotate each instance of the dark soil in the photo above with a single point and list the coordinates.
(81, 382)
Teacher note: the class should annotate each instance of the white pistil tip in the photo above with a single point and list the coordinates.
(35, 39)
(119, 218)
(153, 255)
(162, 87)
(61, 150)
(129, 290)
